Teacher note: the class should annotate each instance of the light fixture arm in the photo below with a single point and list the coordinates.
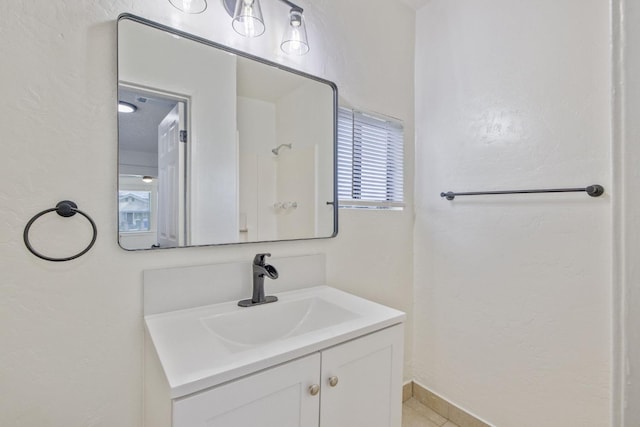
(230, 5)
(293, 6)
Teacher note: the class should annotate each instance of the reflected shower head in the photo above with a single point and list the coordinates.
(276, 150)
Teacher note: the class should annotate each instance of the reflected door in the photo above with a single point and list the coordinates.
(171, 179)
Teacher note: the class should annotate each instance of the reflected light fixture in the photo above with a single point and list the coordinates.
(125, 107)
(248, 22)
(147, 179)
(190, 6)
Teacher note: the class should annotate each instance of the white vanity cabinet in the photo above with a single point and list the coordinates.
(276, 397)
(318, 357)
(358, 382)
(368, 372)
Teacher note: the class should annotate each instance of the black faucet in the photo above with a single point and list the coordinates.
(260, 269)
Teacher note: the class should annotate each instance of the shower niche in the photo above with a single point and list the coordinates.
(217, 146)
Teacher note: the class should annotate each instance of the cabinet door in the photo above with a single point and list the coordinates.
(369, 381)
(276, 397)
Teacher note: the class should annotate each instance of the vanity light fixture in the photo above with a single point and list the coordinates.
(295, 41)
(190, 6)
(247, 18)
(248, 22)
(125, 107)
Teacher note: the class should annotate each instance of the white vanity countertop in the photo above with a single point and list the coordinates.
(205, 346)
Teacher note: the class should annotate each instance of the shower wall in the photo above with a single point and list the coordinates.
(257, 135)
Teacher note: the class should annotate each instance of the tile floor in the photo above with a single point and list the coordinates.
(415, 414)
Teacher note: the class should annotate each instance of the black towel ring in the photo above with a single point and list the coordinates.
(65, 208)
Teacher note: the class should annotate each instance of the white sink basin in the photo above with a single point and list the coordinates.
(205, 346)
(249, 327)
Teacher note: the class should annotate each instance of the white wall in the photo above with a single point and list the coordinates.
(512, 293)
(627, 132)
(138, 163)
(72, 332)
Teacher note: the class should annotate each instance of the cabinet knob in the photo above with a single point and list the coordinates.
(314, 389)
(333, 381)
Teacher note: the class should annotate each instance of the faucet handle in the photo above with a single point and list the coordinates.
(259, 258)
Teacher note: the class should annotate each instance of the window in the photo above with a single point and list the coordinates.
(137, 205)
(370, 161)
(135, 211)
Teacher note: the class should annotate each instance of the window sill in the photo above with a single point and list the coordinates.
(376, 206)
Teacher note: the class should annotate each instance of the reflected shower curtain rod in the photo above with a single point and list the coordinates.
(592, 190)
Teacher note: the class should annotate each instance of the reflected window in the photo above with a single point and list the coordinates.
(134, 209)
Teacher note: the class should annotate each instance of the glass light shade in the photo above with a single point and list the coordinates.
(295, 40)
(190, 6)
(247, 19)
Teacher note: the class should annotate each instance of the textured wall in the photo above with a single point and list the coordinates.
(72, 332)
(512, 293)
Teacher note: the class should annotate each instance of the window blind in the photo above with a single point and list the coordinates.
(370, 161)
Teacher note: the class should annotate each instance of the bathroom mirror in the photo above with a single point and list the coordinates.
(218, 147)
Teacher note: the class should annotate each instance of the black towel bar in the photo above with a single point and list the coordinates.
(592, 190)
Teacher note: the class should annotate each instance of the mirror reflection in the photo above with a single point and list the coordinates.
(216, 147)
